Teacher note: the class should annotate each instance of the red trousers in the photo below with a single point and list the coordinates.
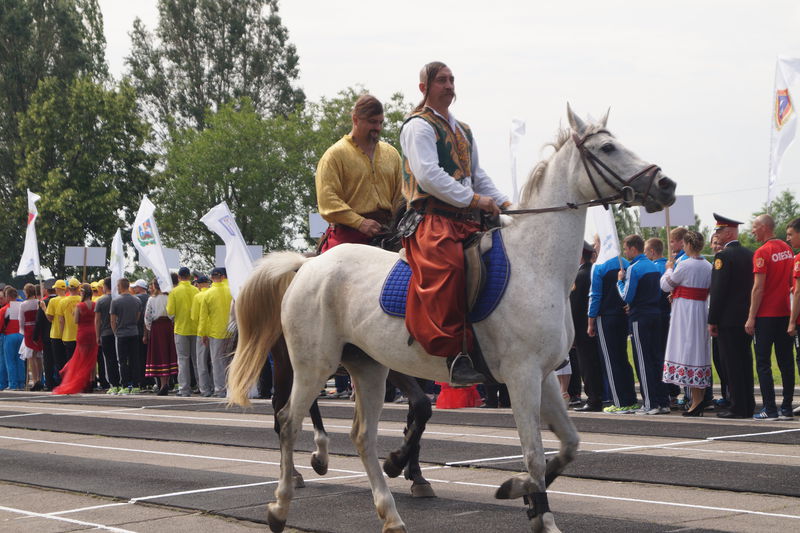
(340, 234)
(437, 300)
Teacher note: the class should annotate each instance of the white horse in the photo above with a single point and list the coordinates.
(326, 303)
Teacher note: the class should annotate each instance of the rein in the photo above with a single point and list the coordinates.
(623, 187)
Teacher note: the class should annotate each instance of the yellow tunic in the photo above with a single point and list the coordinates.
(349, 184)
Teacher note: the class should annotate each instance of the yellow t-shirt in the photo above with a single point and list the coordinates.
(215, 309)
(53, 305)
(348, 183)
(179, 305)
(66, 310)
(198, 297)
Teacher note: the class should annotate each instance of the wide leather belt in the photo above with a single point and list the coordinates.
(432, 206)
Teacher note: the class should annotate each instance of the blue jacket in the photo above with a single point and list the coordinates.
(603, 296)
(666, 307)
(641, 288)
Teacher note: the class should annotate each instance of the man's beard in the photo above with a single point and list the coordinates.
(374, 136)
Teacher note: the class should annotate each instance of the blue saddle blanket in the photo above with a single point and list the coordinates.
(395, 288)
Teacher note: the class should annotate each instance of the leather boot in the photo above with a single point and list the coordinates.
(462, 374)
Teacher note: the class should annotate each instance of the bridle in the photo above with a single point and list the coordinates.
(623, 187)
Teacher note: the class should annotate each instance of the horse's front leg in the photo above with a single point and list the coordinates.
(555, 415)
(525, 390)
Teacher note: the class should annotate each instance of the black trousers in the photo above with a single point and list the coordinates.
(574, 386)
(496, 395)
(127, 352)
(715, 357)
(591, 368)
(59, 356)
(771, 330)
(109, 351)
(69, 349)
(48, 361)
(736, 358)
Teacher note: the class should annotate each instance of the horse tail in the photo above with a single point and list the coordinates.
(258, 316)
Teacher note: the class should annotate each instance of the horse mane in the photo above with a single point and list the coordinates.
(536, 177)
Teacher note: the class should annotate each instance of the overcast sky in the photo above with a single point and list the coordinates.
(689, 82)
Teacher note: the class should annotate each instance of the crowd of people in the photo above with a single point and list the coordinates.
(79, 337)
(684, 315)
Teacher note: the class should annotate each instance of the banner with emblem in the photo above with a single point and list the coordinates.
(238, 263)
(783, 122)
(29, 262)
(147, 242)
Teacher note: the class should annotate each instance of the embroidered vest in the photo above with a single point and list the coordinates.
(453, 147)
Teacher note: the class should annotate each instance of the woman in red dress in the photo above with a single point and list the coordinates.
(79, 370)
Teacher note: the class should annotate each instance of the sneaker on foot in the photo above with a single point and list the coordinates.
(134, 390)
(763, 415)
(785, 414)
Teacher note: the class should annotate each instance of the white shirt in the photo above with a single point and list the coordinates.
(156, 308)
(418, 141)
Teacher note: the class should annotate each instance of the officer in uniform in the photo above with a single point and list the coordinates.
(731, 285)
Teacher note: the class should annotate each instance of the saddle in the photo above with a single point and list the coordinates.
(488, 271)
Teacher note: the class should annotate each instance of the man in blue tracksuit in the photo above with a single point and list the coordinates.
(607, 320)
(640, 289)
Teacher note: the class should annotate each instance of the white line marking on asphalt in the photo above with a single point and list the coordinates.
(172, 454)
(81, 509)
(696, 441)
(229, 487)
(61, 519)
(674, 504)
(20, 414)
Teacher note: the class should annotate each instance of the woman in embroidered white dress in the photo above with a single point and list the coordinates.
(688, 359)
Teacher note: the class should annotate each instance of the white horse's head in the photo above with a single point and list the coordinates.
(609, 170)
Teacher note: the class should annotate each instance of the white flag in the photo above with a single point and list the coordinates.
(238, 263)
(607, 231)
(147, 241)
(517, 131)
(783, 122)
(30, 254)
(117, 263)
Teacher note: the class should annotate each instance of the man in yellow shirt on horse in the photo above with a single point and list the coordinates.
(358, 179)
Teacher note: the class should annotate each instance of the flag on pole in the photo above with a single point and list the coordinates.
(783, 122)
(117, 262)
(147, 242)
(517, 131)
(607, 231)
(238, 262)
(30, 254)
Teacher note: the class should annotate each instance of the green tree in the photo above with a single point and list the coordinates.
(206, 53)
(262, 167)
(84, 154)
(783, 210)
(38, 39)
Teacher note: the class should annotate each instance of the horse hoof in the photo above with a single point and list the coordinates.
(299, 483)
(504, 491)
(318, 466)
(391, 469)
(275, 524)
(395, 529)
(422, 490)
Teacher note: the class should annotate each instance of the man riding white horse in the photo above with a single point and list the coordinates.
(443, 180)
